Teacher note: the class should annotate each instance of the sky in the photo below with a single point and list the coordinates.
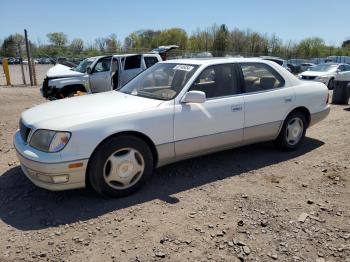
(88, 19)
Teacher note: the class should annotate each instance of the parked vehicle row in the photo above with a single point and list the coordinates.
(174, 110)
(325, 73)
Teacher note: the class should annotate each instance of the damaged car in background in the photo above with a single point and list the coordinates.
(99, 74)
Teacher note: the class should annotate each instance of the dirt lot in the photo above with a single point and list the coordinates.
(241, 204)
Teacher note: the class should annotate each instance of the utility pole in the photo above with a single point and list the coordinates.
(21, 57)
(33, 65)
(29, 59)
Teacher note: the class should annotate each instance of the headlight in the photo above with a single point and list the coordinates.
(300, 76)
(49, 141)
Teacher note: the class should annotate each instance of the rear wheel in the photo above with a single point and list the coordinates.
(293, 131)
(120, 165)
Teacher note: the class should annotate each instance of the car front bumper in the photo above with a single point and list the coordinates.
(46, 174)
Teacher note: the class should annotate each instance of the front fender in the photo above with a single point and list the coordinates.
(62, 82)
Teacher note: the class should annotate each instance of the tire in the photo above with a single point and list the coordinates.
(290, 137)
(71, 94)
(331, 84)
(120, 165)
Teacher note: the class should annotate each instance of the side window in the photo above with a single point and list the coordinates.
(217, 81)
(260, 77)
(132, 62)
(344, 68)
(150, 61)
(103, 65)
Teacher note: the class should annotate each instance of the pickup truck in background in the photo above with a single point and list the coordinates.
(95, 74)
(99, 74)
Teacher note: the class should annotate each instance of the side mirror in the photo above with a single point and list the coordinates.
(89, 70)
(338, 71)
(194, 97)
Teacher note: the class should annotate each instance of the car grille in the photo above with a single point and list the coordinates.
(309, 77)
(24, 131)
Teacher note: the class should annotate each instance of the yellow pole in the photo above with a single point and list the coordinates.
(5, 65)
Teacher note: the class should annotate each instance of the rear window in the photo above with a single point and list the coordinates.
(132, 62)
(260, 77)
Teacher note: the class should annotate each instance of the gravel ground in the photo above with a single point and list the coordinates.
(249, 204)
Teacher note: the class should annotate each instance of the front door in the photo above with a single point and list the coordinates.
(267, 101)
(215, 124)
(100, 78)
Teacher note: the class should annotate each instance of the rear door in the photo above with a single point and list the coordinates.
(150, 60)
(267, 101)
(100, 78)
(131, 68)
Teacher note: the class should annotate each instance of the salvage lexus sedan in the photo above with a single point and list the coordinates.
(172, 111)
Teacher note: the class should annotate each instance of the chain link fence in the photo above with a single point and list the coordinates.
(45, 62)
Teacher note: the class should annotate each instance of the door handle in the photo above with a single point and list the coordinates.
(288, 99)
(236, 108)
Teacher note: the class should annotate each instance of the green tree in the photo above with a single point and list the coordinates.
(11, 44)
(77, 46)
(220, 43)
(346, 44)
(112, 44)
(173, 36)
(57, 38)
(310, 47)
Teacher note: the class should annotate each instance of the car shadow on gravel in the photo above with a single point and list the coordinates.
(26, 207)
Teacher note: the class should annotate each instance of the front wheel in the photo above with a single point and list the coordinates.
(120, 165)
(293, 131)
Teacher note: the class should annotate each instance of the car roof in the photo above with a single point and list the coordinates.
(214, 60)
(272, 58)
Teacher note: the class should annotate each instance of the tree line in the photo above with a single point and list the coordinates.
(217, 39)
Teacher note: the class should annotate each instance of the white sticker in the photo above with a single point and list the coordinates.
(186, 68)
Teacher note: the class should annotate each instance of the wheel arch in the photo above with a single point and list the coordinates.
(304, 111)
(77, 87)
(137, 134)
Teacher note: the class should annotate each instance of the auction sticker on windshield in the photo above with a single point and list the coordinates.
(186, 68)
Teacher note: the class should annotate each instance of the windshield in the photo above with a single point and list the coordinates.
(162, 81)
(83, 65)
(323, 68)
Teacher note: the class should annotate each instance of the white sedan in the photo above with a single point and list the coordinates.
(325, 73)
(172, 111)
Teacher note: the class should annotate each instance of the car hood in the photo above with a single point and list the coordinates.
(65, 113)
(317, 73)
(62, 71)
